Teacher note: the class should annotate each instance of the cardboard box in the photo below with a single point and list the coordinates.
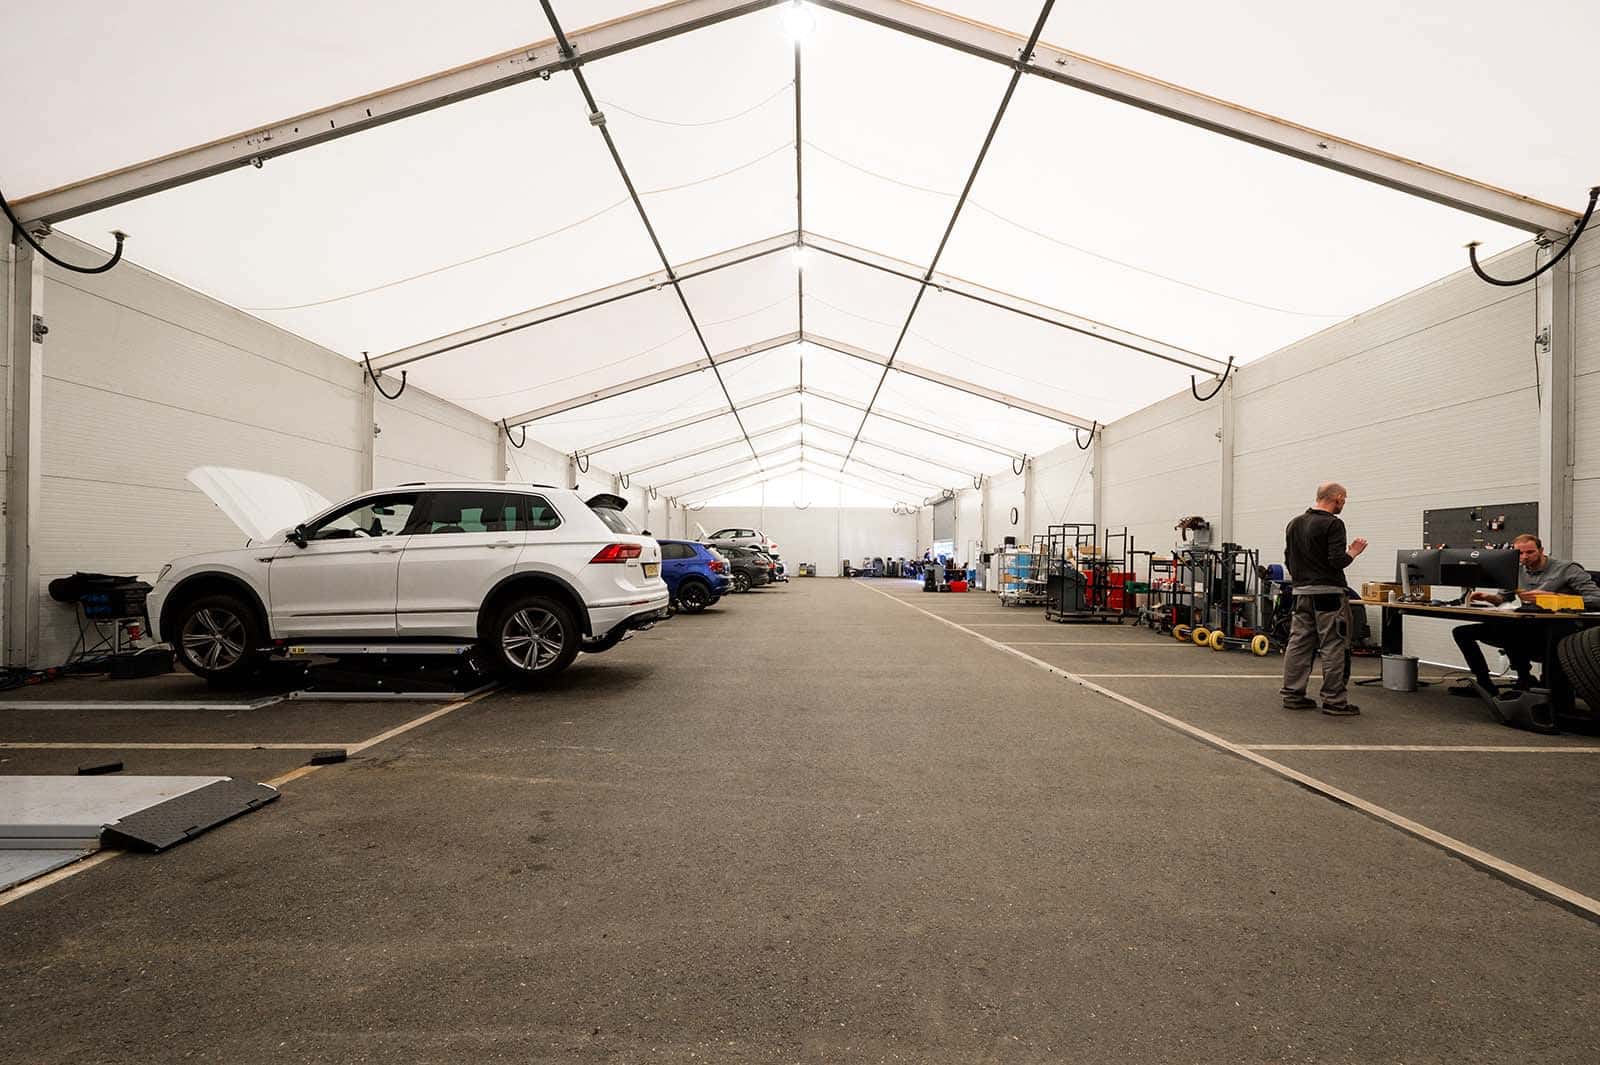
(1378, 591)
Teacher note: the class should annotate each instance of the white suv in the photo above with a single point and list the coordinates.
(529, 574)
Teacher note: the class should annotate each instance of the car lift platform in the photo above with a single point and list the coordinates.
(361, 674)
(47, 822)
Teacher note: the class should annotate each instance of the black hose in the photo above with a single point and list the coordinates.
(1472, 250)
(116, 256)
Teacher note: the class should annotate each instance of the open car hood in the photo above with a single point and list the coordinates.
(259, 503)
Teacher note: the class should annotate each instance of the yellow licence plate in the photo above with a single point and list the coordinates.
(652, 568)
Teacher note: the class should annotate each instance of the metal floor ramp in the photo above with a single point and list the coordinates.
(50, 821)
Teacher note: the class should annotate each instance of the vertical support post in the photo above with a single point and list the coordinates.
(502, 457)
(1554, 353)
(985, 514)
(1225, 434)
(572, 472)
(25, 351)
(1097, 479)
(1027, 503)
(368, 432)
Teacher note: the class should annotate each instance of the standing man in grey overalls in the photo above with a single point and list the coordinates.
(1316, 556)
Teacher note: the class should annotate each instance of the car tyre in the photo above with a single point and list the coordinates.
(216, 637)
(534, 637)
(741, 583)
(1579, 657)
(694, 597)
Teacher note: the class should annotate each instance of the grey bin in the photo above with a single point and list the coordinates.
(1400, 673)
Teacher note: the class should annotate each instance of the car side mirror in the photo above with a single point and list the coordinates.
(297, 536)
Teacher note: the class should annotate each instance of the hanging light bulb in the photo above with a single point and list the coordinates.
(798, 21)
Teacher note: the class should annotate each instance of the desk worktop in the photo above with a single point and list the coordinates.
(1485, 613)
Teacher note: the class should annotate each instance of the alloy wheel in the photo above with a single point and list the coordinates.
(213, 638)
(532, 639)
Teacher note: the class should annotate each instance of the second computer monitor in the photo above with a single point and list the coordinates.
(1416, 566)
(1479, 567)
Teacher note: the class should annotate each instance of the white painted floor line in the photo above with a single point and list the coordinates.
(1421, 747)
(169, 746)
(1208, 676)
(1524, 878)
(101, 857)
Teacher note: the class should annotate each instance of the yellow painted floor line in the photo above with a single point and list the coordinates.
(1527, 879)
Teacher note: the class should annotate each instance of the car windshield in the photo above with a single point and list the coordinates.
(616, 520)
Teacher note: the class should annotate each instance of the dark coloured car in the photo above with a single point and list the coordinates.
(750, 568)
(696, 575)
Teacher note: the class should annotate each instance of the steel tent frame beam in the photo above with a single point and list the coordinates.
(718, 446)
(954, 383)
(1018, 305)
(901, 474)
(697, 494)
(745, 461)
(845, 433)
(660, 377)
(586, 301)
(684, 423)
(912, 423)
(621, 35)
(860, 480)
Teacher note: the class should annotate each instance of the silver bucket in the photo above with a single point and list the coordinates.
(1399, 673)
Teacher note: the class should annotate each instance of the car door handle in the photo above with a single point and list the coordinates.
(503, 543)
(384, 549)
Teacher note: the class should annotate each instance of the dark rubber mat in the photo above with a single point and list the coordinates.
(185, 816)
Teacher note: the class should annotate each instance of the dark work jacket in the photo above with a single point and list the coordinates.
(1314, 550)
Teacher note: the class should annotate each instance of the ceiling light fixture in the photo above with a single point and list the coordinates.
(799, 21)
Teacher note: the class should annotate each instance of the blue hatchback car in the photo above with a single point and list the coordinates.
(696, 576)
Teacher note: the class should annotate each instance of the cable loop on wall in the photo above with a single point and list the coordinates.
(373, 374)
(1015, 516)
(513, 441)
(623, 479)
(653, 492)
(1083, 445)
(581, 461)
(116, 256)
(1018, 465)
(1577, 231)
(947, 493)
(1220, 382)
(977, 481)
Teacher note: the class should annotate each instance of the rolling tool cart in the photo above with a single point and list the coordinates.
(1021, 577)
(1083, 582)
(1236, 612)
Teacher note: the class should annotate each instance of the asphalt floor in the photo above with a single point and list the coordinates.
(817, 824)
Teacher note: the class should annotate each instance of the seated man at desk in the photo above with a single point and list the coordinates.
(1538, 573)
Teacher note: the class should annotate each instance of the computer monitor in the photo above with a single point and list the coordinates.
(1479, 567)
(1415, 566)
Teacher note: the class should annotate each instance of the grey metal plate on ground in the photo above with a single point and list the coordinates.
(17, 867)
(186, 816)
(71, 811)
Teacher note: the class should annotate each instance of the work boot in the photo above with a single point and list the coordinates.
(1298, 701)
(1342, 710)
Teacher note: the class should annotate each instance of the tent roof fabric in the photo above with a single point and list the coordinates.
(764, 252)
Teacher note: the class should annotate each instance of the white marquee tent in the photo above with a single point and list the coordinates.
(718, 243)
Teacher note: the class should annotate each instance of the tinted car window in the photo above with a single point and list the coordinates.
(616, 521)
(469, 512)
(671, 550)
(540, 514)
(375, 516)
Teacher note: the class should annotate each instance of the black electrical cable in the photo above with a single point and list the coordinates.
(1472, 250)
(116, 256)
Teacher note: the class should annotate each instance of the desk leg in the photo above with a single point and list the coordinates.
(1392, 631)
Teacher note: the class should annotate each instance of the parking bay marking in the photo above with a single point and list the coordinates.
(1531, 882)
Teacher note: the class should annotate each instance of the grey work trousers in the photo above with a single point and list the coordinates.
(1321, 624)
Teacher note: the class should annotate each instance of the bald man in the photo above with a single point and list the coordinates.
(1316, 556)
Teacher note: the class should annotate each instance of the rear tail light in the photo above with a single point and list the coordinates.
(717, 565)
(617, 553)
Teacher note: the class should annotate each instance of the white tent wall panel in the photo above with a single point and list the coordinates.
(1005, 495)
(821, 535)
(427, 439)
(969, 526)
(1063, 491)
(1161, 464)
(1427, 401)
(534, 463)
(924, 520)
(145, 379)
